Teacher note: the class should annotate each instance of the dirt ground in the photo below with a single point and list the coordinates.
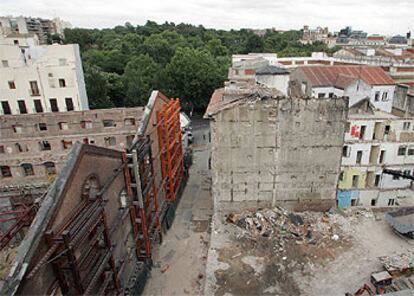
(338, 257)
(179, 262)
(6, 259)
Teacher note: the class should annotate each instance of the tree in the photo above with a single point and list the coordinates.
(254, 43)
(140, 78)
(192, 75)
(97, 88)
(216, 48)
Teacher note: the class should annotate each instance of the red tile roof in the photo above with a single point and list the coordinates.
(329, 75)
(216, 101)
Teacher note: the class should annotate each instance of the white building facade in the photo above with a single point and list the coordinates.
(375, 140)
(37, 79)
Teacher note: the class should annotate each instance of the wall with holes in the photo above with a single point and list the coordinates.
(278, 150)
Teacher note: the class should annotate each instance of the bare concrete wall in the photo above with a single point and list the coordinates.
(278, 150)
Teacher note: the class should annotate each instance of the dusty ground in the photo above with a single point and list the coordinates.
(240, 264)
(179, 265)
(6, 259)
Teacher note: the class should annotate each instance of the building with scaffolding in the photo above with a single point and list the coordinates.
(97, 225)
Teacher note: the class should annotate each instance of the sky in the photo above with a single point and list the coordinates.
(373, 16)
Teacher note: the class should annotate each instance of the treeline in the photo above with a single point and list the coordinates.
(124, 64)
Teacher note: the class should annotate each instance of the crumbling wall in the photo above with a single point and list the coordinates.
(284, 150)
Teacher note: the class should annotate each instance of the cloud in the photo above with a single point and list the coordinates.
(374, 16)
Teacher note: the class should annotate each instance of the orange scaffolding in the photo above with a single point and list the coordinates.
(169, 138)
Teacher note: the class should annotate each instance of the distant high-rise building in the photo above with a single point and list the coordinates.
(25, 25)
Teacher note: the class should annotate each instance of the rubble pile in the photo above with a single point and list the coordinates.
(303, 228)
(398, 263)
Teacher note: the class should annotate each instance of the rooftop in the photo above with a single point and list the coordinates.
(329, 75)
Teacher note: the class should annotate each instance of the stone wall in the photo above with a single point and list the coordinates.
(272, 151)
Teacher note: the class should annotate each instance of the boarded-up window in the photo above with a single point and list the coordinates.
(108, 123)
(5, 171)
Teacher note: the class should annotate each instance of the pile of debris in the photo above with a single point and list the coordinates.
(399, 263)
(303, 228)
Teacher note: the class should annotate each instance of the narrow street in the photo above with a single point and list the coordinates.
(179, 262)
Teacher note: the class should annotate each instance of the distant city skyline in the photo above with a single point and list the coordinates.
(373, 16)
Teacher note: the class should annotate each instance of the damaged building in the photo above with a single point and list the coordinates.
(268, 149)
(97, 225)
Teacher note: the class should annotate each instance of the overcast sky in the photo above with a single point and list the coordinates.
(373, 16)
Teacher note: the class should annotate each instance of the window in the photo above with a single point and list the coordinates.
(5, 171)
(373, 202)
(355, 180)
(362, 133)
(321, 95)
(387, 130)
(85, 141)
(22, 106)
(402, 150)
(385, 96)
(391, 202)
(129, 121)
(410, 151)
(382, 156)
(62, 82)
(17, 128)
(16, 42)
(110, 141)
(406, 125)
(346, 151)
(407, 172)
(348, 127)
(27, 169)
(21, 147)
(50, 168)
(34, 89)
(108, 123)
(12, 85)
(38, 106)
(341, 176)
(377, 96)
(2, 150)
(129, 139)
(69, 104)
(331, 95)
(395, 177)
(123, 199)
(5, 63)
(42, 126)
(359, 157)
(63, 126)
(6, 108)
(45, 145)
(86, 124)
(377, 180)
(54, 105)
(66, 144)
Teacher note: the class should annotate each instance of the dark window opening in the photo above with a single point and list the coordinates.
(6, 108)
(50, 168)
(22, 107)
(69, 104)
(5, 171)
(359, 157)
(34, 88)
(2, 150)
(362, 133)
(346, 151)
(391, 202)
(54, 105)
(321, 95)
(387, 130)
(12, 85)
(110, 141)
(42, 126)
(108, 123)
(66, 144)
(331, 95)
(355, 181)
(27, 169)
(45, 145)
(402, 150)
(373, 202)
(382, 156)
(38, 106)
(62, 82)
(377, 180)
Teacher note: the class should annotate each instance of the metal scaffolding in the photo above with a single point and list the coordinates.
(169, 137)
(13, 220)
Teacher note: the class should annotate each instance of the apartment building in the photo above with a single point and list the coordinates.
(312, 35)
(40, 78)
(43, 28)
(375, 140)
(355, 82)
(33, 148)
